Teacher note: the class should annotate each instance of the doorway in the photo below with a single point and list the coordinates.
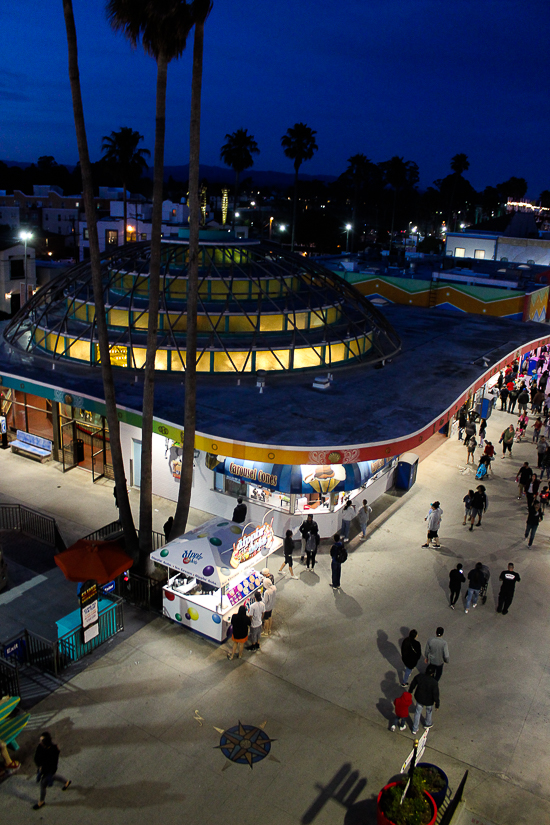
(136, 453)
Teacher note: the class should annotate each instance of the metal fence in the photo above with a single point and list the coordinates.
(115, 527)
(141, 591)
(9, 679)
(71, 648)
(37, 525)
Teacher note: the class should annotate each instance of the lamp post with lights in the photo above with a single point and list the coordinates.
(348, 228)
(25, 237)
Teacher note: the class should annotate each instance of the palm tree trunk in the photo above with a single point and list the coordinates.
(146, 491)
(97, 284)
(124, 198)
(186, 480)
(294, 209)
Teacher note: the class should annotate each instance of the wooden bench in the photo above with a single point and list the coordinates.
(11, 728)
(32, 445)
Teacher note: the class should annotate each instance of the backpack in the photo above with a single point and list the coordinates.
(311, 543)
(341, 553)
(481, 471)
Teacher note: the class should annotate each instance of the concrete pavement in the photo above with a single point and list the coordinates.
(139, 728)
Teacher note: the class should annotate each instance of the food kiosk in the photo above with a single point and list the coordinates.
(211, 572)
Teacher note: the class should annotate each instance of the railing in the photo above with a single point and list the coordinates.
(71, 648)
(19, 517)
(106, 532)
(30, 649)
(140, 591)
(9, 679)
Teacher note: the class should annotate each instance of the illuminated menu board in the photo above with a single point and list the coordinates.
(245, 588)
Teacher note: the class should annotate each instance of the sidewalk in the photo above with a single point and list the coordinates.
(139, 728)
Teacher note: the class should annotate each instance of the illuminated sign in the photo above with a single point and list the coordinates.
(251, 544)
(253, 474)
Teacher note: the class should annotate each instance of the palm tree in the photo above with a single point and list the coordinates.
(399, 175)
(358, 171)
(97, 283)
(162, 27)
(460, 163)
(237, 153)
(121, 150)
(200, 10)
(299, 145)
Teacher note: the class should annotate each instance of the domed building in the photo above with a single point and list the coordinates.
(259, 308)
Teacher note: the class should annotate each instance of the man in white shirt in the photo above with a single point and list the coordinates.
(256, 612)
(269, 601)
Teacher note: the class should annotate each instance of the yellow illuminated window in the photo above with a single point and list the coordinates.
(271, 323)
(337, 353)
(240, 323)
(316, 319)
(240, 289)
(266, 360)
(333, 315)
(118, 317)
(354, 348)
(219, 289)
(176, 322)
(141, 321)
(139, 356)
(161, 359)
(307, 357)
(81, 312)
(80, 350)
(177, 288)
(238, 362)
(203, 364)
(298, 320)
(119, 356)
(176, 362)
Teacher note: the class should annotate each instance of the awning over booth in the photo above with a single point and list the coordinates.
(217, 551)
(299, 478)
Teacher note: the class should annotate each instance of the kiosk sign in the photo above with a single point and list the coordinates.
(89, 611)
(250, 545)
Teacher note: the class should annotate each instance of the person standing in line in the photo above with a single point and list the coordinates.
(471, 445)
(500, 380)
(545, 463)
(534, 518)
(255, 612)
(482, 431)
(268, 598)
(538, 401)
(523, 478)
(167, 527)
(347, 516)
(507, 440)
(339, 555)
(288, 548)
(436, 653)
(456, 580)
(239, 513)
(503, 398)
(312, 543)
(462, 421)
(240, 623)
(467, 502)
(476, 581)
(523, 400)
(489, 451)
(410, 654)
(537, 427)
(479, 505)
(512, 398)
(469, 431)
(507, 588)
(433, 519)
(426, 693)
(46, 758)
(402, 707)
(364, 514)
(306, 527)
(483, 591)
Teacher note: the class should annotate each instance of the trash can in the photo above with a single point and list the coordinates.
(79, 450)
(406, 471)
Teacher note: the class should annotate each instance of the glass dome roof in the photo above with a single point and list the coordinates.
(259, 308)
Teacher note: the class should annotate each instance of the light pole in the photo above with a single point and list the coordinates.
(348, 227)
(270, 224)
(26, 236)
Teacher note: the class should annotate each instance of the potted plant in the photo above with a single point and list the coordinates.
(434, 780)
(417, 808)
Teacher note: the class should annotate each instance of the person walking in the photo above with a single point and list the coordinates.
(532, 491)
(363, 516)
(489, 452)
(425, 689)
(469, 430)
(507, 440)
(467, 502)
(482, 431)
(339, 555)
(476, 580)
(410, 654)
(312, 543)
(505, 597)
(471, 445)
(483, 590)
(255, 612)
(306, 527)
(456, 580)
(240, 623)
(537, 427)
(534, 518)
(288, 549)
(523, 400)
(523, 478)
(347, 516)
(542, 446)
(479, 505)
(239, 513)
(268, 598)
(512, 398)
(402, 708)
(433, 519)
(436, 653)
(46, 758)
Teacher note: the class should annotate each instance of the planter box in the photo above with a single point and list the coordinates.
(382, 819)
(437, 796)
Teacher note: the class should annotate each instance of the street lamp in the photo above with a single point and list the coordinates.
(270, 224)
(26, 236)
(348, 227)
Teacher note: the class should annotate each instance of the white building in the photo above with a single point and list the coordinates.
(12, 275)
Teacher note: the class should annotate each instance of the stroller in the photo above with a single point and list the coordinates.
(481, 471)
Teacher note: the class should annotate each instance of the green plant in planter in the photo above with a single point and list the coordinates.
(428, 779)
(415, 809)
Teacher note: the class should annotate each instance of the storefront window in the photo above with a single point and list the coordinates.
(31, 414)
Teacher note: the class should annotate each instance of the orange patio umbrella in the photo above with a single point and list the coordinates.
(101, 561)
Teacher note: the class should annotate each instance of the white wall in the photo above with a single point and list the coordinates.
(470, 244)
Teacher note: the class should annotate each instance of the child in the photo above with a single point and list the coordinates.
(537, 427)
(544, 496)
(467, 501)
(402, 705)
(471, 446)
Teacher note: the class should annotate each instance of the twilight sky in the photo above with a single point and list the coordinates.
(416, 78)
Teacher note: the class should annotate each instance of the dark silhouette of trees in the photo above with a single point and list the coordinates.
(237, 154)
(299, 145)
(515, 188)
(121, 152)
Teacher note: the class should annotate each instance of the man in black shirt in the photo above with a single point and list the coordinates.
(507, 588)
(456, 580)
(476, 580)
(239, 513)
(426, 692)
